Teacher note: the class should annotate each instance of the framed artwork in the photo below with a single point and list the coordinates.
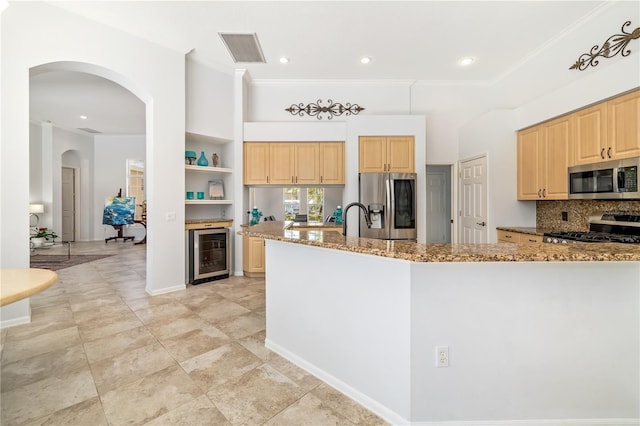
(119, 211)
(216, 190)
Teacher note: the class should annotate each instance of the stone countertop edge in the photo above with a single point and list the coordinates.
(192, 221)
(524, 229)
(416, 252)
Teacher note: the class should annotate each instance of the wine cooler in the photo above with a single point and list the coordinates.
(209, 255)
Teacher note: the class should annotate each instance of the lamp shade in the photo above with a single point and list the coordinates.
(36, 208)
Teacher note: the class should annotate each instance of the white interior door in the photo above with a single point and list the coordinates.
(438, 221)
(473, 202)
(68, 204)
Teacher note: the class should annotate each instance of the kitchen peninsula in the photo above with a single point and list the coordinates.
(530, 329)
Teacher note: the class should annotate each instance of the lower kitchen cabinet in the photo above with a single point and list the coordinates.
(518, 237)
(253, 262)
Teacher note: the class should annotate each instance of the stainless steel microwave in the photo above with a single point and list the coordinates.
(608, 180)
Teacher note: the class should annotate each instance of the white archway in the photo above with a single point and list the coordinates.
(153, 73)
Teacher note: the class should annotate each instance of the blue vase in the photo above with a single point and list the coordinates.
(202, 161)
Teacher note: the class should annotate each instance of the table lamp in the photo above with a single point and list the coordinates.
(34, 209)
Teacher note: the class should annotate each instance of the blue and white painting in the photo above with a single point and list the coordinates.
(119, 210)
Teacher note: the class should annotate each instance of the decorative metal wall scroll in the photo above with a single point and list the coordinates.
(615, 44)
(332, 110)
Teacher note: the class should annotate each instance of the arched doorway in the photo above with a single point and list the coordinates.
(78, 119)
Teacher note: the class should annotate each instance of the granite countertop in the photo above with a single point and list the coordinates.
(525, 230)
(501, 252)
(195, 221)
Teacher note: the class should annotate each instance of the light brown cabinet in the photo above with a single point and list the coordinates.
(386, 154)
(544, 155)
(518, 237)
(623, 126)
(293, 163)
(256, 163)
(253, 261)
(590, 134)
(609, 130)
(332, 163)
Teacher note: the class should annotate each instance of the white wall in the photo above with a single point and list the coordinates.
(493, 135)
(571, 89)
(32, 36)
(110, 175)
(268, 99)
(209, 101)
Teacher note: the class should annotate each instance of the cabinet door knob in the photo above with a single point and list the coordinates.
(609, 152)
(544, 192)
(539, 193)
(602, 153)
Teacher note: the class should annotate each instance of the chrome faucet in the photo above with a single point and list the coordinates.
(344, 216)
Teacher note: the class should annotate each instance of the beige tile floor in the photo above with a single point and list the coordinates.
(101, 351)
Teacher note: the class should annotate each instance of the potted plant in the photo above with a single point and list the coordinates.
(41, 236)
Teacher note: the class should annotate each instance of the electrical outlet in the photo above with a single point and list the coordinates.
(442, 356)
(565, 216)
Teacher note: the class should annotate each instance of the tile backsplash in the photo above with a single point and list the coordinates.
(549, 213)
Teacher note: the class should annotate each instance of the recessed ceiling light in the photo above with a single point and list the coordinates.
(84, 117)
(365, 60)
(284, 60)
(468, 60)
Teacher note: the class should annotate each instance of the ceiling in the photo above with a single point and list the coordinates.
(414, 40)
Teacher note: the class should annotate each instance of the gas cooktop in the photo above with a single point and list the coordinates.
(607, 227)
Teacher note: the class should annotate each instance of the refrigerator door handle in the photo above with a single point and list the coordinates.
(391, 210)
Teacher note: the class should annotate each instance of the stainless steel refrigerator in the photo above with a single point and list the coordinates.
(391, 201)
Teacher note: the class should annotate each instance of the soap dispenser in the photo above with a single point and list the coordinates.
(337, 214)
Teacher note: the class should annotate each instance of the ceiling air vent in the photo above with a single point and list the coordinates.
(243, 47)
(88, 130)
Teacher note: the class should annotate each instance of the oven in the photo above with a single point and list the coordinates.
(209, 254)
(607, 180)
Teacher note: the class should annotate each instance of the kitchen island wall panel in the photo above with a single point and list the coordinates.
(529, 342)
(526, 341)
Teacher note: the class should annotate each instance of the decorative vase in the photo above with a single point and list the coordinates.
(215, 159)
(202, 161)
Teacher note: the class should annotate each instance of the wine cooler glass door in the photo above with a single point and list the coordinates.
(210, 259)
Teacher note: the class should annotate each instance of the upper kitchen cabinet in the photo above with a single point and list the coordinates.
(530, 169)
(256, 163)
(378, 154)
(332, 163)
(609, 130)
(557, 155)
(623, 126)
(590, 134)
(544, 155)
(293, 163)
(281, 163)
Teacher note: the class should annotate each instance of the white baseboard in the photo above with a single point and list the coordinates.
(395, 419)
(166, 290)
(15, 321)
(370, 404)
(545, 422)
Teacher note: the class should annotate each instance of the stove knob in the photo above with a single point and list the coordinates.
(564, 241)
(555, 240)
